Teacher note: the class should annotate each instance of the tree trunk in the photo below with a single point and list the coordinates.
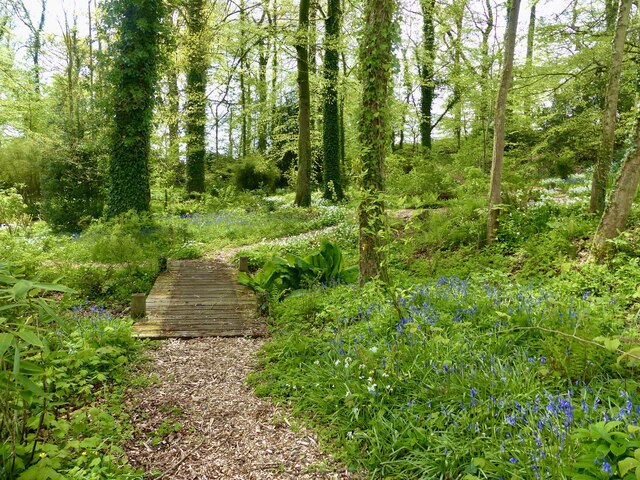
(330, 120)
(243, 83)
(174, 104)
(273, 28)
(376, 61)
(195, 111)
(134, 78)
(610, 12)
(427, 83)
(303, 191)
(617, 211)
(608, 135)
(531, 34)
(457, 71)
(500, 120)
(37, 46)
(624, 192)
(485, 88)
(262, 92)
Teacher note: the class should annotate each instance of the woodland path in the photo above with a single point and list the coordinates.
(199, 419)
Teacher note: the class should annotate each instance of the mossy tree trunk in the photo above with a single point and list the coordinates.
(330, 114)
(133, 78)
(608, 134)
(303, 191)
(500, 120)
(376, 65)
(195, 111)
(427, 82)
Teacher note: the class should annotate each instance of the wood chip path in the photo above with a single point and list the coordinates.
(198, 419)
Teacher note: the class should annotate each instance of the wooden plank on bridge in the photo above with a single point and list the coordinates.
(199, 298)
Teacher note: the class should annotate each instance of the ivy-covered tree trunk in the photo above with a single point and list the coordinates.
(500, 120)
(608, 134)
(303, 190)
(427, 83)
(330, 117)
(263, 57)
(195, 111)
(133, 77)
(376, 62)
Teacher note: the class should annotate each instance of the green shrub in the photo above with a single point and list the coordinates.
(13, 210)
(254, 173)
(21, 160)
(72, 188)
(417, 177)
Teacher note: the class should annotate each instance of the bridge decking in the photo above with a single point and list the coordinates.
(199, 298)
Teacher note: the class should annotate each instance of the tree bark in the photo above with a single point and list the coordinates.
(616, 213)
(531, 34)
(330, 115)
(173, 99)
(500, 120)
(457, 74)
(263, 52)
(376, 61)
(427, 83)
(195, 111)
(485, 89)
(608, 135)
(303, 191)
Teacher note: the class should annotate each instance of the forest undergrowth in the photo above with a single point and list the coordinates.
(512, 360)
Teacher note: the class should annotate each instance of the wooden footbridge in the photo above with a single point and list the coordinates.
(199, 298)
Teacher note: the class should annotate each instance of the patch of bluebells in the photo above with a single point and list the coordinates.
(90, 323)
(447, 365)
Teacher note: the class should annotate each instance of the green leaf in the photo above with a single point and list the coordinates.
(29, 385)
(634, 352)
(6, 340)
(611, 344)
(40, 472)
(21, 289)
(617, 449)
(627, 464)
(30, 337)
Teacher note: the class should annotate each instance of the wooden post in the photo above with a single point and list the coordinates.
(244, 264)
(162, 264)
(138, 305)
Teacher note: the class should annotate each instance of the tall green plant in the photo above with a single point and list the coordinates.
(24, 395)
